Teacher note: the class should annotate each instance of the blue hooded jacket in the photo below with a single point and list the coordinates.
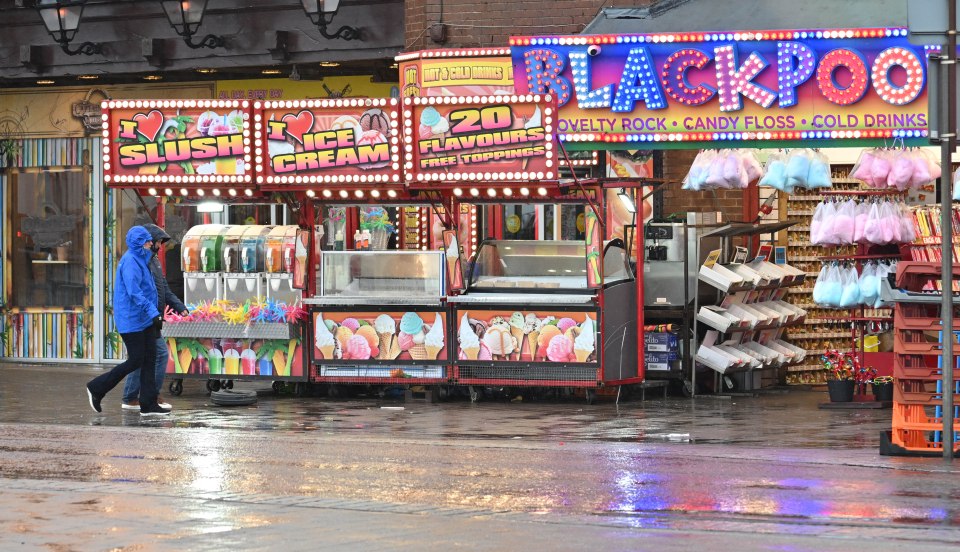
(134, 291)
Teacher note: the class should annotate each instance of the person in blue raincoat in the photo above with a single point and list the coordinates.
(138, 321)
(165, 298)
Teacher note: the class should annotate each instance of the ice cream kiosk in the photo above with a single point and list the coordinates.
(233, 331)
(376, 315)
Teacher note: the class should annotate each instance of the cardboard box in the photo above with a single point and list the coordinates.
(660, 362)
(660, 342)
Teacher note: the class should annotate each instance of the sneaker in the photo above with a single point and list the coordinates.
(132, 405)
(163, 404)
(155, 411)
(94, 400)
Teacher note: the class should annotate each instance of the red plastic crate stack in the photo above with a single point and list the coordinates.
(917, 348)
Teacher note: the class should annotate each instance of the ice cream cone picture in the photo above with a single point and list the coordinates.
(325, 340)
(500, 342)
(386, 327)
(517, 326)
(433, 341)
(546, 334)
(531, 328)
(469, 342)
(583, 344)
(343, 335)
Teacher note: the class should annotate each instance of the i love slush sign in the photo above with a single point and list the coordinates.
(183, 142)
(754, 85)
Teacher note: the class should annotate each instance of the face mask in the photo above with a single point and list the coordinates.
(155, 247)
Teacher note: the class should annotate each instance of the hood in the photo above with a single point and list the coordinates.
(157, 233)
(136, 237)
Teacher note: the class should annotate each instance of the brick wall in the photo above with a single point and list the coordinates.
(675, 167)
(491, 23)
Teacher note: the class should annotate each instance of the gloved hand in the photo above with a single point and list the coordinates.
(157, 323)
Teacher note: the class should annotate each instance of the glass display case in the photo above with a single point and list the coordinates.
(501, 265)
(382, 276)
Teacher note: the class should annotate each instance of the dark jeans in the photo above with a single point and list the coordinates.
(131, 390)
(142, 353)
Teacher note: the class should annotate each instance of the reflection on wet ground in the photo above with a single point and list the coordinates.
(769, 464)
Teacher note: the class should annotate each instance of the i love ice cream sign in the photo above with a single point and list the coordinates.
(354, 141)
(169, 142)
(735, 86)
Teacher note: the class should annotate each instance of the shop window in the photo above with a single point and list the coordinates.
(49, 251)
(254, 214)
(520, 222)
(572, 222)
(178, 218)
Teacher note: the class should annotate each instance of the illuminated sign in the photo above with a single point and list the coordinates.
(456, 72)
(352, 141)
(767, 85)
(490, 138)
(181, 142)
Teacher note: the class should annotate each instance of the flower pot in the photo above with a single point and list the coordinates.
(841, 390)
(883, 391)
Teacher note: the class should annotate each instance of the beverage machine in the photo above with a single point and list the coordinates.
(243, 262)
(280, 252)
(202, 261)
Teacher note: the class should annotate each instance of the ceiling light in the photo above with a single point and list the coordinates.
(45, 81)
(88, 77)
(329, 64)
(627, 201)
(206, 70)
(210, 207)
(270, 72)
(153, 77)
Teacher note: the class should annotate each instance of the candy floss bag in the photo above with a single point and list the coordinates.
(820, 286)
(850, 296)
(907, 231)
(956, 188)
(698, 171)
(751, 165)
(868, 284)
(824, 232)
(863, 170)
(816, 224)
(890, 222)
(798, 167)
(716, 174)
(860, 221)
(844, 222)
(734, 173)
(819, 175)
(901, 169)
(776, 173)
(872, 232)
(880, 169)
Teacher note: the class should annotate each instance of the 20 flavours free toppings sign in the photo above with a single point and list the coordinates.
(494, 138)
(387, 336)
(350, 141)
(854, 83)
(177, 141)
(542, 336)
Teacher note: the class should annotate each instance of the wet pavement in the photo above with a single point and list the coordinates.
(770, 472)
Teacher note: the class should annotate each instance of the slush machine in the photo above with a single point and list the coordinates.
(202, 262)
